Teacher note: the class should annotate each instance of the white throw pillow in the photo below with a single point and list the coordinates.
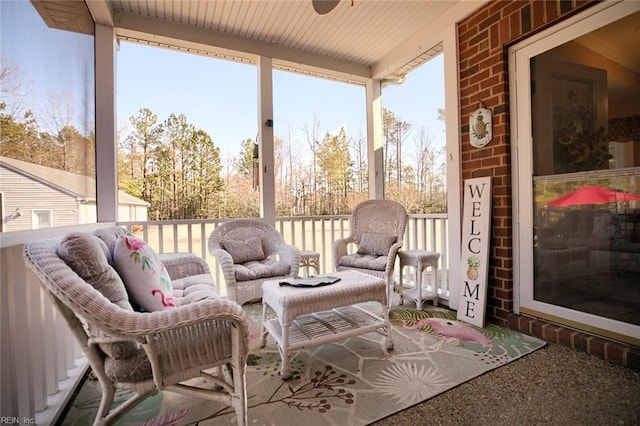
(145, 277)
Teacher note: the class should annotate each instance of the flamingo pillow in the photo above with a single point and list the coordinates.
(145, 277)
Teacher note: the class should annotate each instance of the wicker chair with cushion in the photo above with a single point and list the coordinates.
(376, 230)
(250, 252)
(144, 352)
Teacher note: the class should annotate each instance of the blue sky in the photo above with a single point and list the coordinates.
(217, 96)
(220, 97)
(48, 76)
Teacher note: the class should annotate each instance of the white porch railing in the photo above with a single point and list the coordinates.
(40, 364)
(317, 233)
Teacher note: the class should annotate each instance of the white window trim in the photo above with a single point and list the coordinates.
(521, 143)
(34, 218)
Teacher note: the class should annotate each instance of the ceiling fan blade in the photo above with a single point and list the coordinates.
(322, 7)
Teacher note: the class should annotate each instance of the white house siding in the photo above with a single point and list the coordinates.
(88, 213)
(132, 213)
(27, 194)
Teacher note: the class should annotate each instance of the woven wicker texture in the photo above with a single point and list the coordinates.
(379, 217)
(317, 315)
(291, 302)
(178, 343)
(273, 245)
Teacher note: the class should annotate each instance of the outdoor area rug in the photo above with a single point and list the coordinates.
(352, 382)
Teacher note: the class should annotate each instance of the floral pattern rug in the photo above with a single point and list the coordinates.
(352, 382)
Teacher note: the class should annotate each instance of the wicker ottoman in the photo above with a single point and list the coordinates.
(324, 314)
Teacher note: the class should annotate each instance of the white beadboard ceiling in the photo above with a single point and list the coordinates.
(357, 40)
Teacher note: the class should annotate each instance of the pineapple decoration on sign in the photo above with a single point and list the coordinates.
(481, 126)
(472, 272)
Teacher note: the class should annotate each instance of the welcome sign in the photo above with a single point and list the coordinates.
(476, 234)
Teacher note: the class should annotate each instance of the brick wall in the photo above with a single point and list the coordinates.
(484, 38)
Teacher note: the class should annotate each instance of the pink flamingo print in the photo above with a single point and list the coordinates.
(167, 301)
(452, 329)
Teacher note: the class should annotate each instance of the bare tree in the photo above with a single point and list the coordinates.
(312, 133)
(15, 89)
(359, 147)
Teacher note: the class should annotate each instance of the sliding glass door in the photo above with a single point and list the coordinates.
(576, 138)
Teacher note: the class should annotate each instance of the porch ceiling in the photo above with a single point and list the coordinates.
(358, 40)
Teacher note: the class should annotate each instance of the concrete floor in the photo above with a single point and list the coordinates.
(554, 385)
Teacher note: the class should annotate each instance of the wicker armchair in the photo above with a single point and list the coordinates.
(377, 231)
(169, 346)
(250, 252)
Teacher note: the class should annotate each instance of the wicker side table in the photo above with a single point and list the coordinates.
(310, 259)
(420, 260)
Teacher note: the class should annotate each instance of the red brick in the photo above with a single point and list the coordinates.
(512, 7)
(580, 341)
(502, 315)
(502, 211)
(481, 153)
(479, 38)
(503, 294)
(475, 165)
(514, 25)
(565, 336)
(504, 32)
(490, 61)
(537, 13)
(477, 17)
(498, 69)
(479, 173)
(502, 252)
(479, 96)
(615, 352)
(492, 161)
(596, 347)
(518, 322)
(550, 333)
(468, 53)
(481, 78)
(491, 19)
(551, 10)
(507, 305)
(494, 37)
(536, 328)
(500, 129)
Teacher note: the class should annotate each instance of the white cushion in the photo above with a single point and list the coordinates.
(145, 277)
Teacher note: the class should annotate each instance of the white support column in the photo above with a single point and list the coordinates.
(265, 150)
(454, 174)
(375, 158)
(107, 167)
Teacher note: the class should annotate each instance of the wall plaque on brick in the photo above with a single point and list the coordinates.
(476, 234)
(481, 127)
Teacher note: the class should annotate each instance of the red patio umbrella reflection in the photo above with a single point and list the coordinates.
(592, 195)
